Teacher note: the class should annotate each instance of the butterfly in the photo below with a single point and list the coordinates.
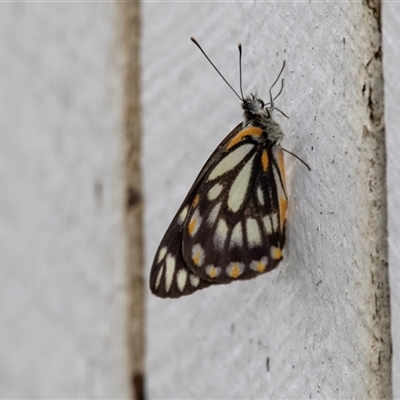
(231, 225)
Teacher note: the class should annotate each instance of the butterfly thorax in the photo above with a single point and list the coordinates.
(258, 115)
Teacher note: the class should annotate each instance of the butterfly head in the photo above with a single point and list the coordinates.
(258, 114)
(253, 105)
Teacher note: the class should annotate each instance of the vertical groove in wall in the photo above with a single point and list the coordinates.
(129, 20)
(375, 163)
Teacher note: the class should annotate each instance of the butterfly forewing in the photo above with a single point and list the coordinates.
(235, 228)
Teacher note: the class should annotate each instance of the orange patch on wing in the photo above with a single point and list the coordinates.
(235, 271)
(196, 200)
(250, 131)
(192, 225)
(276, 253)
(212, 273)
(282, 209)
(196, 259)
(260, 267)
(264, 160)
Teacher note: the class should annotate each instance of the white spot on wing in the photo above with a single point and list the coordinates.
(267, 224)
(275, 222)
(260, 195)
(221, 233)
(194, 280)
(183, 214)
(214, 192)
(169, 271)
(259, 266)
(162, 254)
(238, 190)
(194, 223)
(281, 192)
(212, 217)
(197, 255)
(253, 232)
(237, 235)
(181, 277)
(230, 161)
(213, 271)
(159, 275)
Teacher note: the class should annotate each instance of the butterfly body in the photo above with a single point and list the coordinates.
(231, 225)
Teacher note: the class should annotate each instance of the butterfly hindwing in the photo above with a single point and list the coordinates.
(170, 276)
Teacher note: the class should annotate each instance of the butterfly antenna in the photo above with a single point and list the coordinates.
(281, 89)
(277, 109)
(240, 70)
(208, 58)
(294, 155)
(279, 93)
(271, 99)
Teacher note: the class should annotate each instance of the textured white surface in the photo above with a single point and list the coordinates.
(391, 57)
(311, 320)
(62, 301)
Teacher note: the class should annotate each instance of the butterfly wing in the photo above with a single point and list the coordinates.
(231, 224)
(170, 276)
(235, 228)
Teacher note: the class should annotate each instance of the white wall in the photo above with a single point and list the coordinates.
(62, 274)
(321, 318)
